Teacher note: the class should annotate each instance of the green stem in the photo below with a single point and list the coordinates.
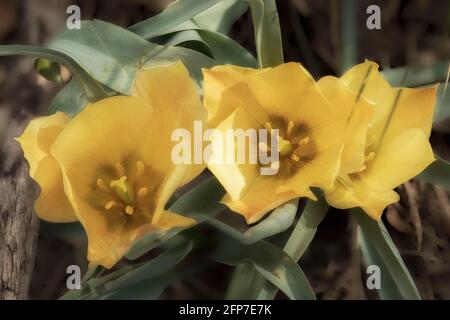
(300, 238)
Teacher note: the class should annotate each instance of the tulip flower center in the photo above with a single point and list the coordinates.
(295, 147)
(126, 192)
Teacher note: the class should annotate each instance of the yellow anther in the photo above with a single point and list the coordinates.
(268, 126)
(290, 126)
(120, 171)
(111, 204)
(304, 141)
(363, 167)
(123, 189)
(284, 146)
(142, 192)
(295, 157)
(140, 168)
(370, 156)
(102, 185)
(129, 210)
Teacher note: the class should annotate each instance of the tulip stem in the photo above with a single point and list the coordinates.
(300, 239)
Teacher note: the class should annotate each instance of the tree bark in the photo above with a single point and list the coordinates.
(18, 224)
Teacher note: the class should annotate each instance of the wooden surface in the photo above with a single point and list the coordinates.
(18, 224)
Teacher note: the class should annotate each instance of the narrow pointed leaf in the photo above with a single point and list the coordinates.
(387, 255)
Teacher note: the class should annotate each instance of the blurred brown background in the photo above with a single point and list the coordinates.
(412, 32)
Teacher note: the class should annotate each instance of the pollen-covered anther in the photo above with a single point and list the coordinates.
(129, 210)
(142, 192)
(289, 128)
(102, 185)
(295, 157)
(120, 170)
(370, 156)
(140, 169)
(304, 141)
(111, 204)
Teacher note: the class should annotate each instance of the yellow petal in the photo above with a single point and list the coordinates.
(216, 80)
(348, 194)
(290, 92)
(235, 177)
(173, 96)
(171, 220)
(36, 142)
(413, 109)
(103, 134)
(359, 113)
(365, 79)
(399, 160)
(260, 198)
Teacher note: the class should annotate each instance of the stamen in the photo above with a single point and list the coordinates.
(304, 141)
(268, 126)
(142, 192)
(129, 210)
(370, 156)
(111, 204)
(102, 185)
(120, 171)
(363, 167)
(290, 126)
(295, 157)
(140, 168)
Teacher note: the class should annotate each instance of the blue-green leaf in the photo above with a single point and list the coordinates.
(174, 15)
(92, 89)
(271, 262)
(266, 24)
(386, 256)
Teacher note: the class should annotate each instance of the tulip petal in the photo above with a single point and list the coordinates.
(260, 198)
(173, 96)
(172, 220)
(36, 142)
(290, 92)
(103, 134)
(414, 109)
(359, 113)
(216, 80)
(365, 79)
(235, 177)
(348, 194)
(399, 160)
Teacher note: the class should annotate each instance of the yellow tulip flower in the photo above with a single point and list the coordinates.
(36, 141)
(393, 149)
(310, 137)
(115, 160)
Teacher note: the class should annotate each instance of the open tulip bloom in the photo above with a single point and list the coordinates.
(104, 156)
